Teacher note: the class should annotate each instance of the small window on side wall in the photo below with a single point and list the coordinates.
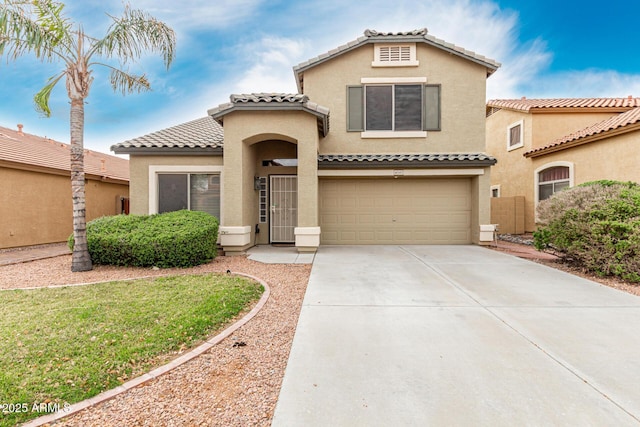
(515, 135)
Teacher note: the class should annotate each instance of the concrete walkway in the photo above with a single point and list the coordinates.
(458, 336)
(269, 254)
(32, 253)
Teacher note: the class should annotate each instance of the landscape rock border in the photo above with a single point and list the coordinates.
(202, 348)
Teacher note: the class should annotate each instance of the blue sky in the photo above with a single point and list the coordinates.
(548, 48)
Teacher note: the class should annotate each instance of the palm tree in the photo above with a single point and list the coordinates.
(39, 28)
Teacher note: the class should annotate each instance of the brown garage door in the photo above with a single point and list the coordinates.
(395, 211)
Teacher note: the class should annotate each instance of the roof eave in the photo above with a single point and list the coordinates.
(298, 70)
(183, 151)
(405, 164)
(583, 140)
(323, 119)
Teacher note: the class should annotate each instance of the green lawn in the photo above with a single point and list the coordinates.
(65, 345)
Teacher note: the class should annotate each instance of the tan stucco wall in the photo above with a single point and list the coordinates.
(613, 158)
(513, 171)
(36, 207)
(243, 130)
(139, 175)
(548, 127)
(480, 186)
(463, 97)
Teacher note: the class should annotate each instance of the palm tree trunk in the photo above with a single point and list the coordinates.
(80, 260)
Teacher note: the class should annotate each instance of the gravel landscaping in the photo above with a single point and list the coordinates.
(236, 383)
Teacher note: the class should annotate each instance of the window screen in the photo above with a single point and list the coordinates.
(408, 107)
(379, 107)
(197, 192)
(172, 192)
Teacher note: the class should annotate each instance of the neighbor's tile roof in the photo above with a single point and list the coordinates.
(415, 36)
(32, 150)
(524, 104)
(203, 133)
(406, 160)
(273, 101)
(615, 123)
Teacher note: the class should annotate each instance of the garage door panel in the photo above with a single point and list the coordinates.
(387, 211)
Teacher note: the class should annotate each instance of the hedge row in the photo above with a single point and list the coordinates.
(596, 225)
(173, 239)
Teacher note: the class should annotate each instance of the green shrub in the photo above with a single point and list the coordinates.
(596, 225)
(173, 239)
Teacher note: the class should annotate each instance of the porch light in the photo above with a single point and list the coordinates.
(256, 183)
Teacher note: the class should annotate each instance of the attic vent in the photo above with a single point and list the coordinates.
(395, 55)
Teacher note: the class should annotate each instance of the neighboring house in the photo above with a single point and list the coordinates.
(383, 144)
(35, 188)
(545, 145)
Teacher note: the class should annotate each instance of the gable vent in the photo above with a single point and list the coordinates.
(395, 55)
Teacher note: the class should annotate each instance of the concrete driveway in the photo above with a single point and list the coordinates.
(458, 336)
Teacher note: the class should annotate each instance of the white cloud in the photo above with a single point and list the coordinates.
(200, 14)
(270, 65)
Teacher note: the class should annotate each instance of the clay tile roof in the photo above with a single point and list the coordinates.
(611, 124)
(200, 134)
(527, 105)
(415, 36)
(32, 150)
(405, 160)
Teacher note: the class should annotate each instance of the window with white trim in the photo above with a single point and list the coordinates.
(393, 109)
(552, 180)
(192, 191)
(515, 135)
(390, 55)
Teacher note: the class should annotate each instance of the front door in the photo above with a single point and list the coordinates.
(284, 208)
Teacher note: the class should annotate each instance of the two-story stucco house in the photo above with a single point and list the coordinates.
(545, 145)
(384, 143)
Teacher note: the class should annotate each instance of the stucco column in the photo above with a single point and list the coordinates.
(308, 231)
(235, 237)
(480, 222)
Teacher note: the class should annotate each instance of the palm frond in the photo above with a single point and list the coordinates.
(41, 99)
(133, 34)
(23, 32)
(128, 83)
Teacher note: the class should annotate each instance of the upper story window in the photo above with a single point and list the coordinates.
(393, 107)
(390, 55)
(515, 135)
(401, 108)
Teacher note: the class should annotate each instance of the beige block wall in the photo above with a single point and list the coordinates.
(508, 213)
(139, 174)
(463, 97)
(36, 207)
